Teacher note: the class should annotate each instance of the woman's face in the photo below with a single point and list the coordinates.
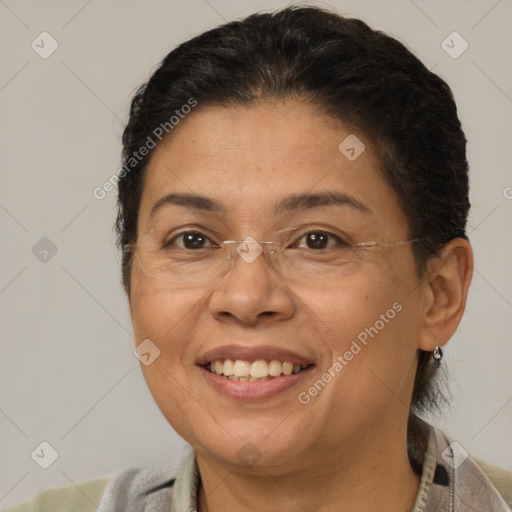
(357, 332)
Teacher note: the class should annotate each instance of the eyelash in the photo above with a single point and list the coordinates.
(168, 244)
(339, 241)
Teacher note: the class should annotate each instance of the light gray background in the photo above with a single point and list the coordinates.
(68, 375)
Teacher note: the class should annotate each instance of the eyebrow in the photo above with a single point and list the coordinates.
(308, 200)
(192, 201)
(293, 202)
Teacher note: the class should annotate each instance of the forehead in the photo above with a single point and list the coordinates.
(249, 158)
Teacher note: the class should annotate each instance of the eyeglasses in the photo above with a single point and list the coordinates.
(191, 256)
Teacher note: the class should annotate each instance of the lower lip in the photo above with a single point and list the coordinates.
(253, 390)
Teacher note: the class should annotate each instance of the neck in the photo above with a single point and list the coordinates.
(366, 475)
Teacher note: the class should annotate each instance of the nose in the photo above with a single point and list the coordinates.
(251, 292)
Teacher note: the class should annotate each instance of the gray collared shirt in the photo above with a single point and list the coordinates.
(451, 481)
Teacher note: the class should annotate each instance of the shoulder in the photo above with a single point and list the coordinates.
(115, 493)
(156, 487)
(136, 489)
(500, 478)
(476, 482)
(83, 497)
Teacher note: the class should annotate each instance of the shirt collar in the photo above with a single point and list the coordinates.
(442, 468)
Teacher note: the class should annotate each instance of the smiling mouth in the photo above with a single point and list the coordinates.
(251, 371)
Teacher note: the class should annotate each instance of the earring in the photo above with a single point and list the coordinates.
(437, 353)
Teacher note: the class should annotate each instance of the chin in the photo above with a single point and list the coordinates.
(244, 444)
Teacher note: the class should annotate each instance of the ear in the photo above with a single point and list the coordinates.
(448, 279)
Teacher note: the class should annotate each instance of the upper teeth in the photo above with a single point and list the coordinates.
(257, 369)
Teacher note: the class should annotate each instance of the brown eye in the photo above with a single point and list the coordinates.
(319, 240)
(189, 240)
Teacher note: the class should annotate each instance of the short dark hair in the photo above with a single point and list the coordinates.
(363, 77)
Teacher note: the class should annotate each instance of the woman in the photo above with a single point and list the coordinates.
(292, 211)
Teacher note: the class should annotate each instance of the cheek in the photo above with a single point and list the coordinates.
(165, 316)
(372, 321)
(355, 305)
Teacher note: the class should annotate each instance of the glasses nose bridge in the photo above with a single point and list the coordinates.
(250, 250)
